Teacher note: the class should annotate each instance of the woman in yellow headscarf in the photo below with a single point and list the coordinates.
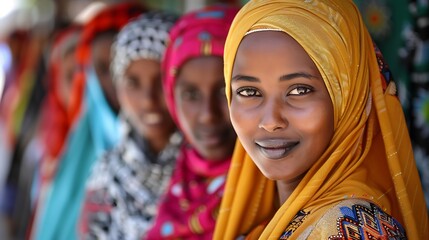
(323, 149)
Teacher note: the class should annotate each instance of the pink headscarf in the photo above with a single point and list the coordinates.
(190, 206)
(200, 33)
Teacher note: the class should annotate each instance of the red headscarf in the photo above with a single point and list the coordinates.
(190, 206)
(113, 17)
(54, 123)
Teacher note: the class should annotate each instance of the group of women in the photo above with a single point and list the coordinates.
(278, 120)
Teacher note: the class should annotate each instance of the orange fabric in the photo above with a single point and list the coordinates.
(26, 50)
(54, 124)
(370, 155)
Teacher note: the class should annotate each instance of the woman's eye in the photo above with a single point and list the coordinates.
(132, 82)
(189, 95)
(248, 92)
(300, 91)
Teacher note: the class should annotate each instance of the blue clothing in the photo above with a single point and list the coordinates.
(96, 131)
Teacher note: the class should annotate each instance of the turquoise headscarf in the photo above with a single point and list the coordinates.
(96, 131)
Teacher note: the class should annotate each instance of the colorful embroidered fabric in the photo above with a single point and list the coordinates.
(349, 219)
(380, 167)
(190, 206)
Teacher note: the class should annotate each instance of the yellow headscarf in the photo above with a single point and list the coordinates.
(370, 155)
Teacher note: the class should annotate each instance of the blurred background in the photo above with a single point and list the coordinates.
(400, 28)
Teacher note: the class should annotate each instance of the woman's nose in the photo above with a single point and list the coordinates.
(148, 98)
(210, 110)
(273, 118)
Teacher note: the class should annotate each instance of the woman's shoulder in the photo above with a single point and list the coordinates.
(354, 219)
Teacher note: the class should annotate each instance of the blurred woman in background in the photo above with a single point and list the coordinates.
(93, 112)
(123, 191)
(194, 88)
(54, 125)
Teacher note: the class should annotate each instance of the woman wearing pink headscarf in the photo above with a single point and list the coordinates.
(195, 92)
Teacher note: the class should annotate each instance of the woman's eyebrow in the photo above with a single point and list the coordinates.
(296, 75)
(244, 78)
(285, 77)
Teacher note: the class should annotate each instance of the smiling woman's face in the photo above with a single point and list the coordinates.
(280, 107)
(142, 100)
(202, 108)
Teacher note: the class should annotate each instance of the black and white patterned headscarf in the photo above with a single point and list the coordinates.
(144, 37)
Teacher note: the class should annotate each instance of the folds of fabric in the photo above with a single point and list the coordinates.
(54, 124)
(96, 131)
(19, 117)
(190, 206)
(370, 155)
(19, 83)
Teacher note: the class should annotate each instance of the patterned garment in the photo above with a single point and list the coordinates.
(123, 191)
(144, 37)
(349, 219)
(190, 206)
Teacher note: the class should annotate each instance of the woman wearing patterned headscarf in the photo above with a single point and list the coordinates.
(323, 150)
(194, 88)
(123, 190)
(94, 122)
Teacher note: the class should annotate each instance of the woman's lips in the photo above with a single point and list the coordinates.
(275, 148)
(151, 118)
(211, 137)
(211, 140)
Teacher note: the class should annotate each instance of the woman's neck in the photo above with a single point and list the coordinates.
(158, 144)
(285, 188)
(155, 143)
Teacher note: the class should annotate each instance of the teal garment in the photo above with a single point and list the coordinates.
(96, 131)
